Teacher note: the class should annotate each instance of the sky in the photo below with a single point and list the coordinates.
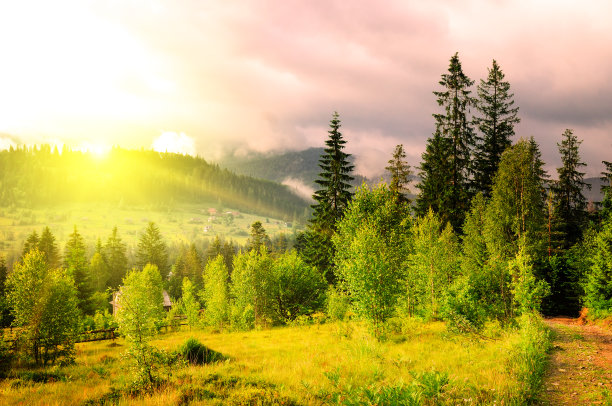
(212, 77)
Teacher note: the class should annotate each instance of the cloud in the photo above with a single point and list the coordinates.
(299, 188)
(266, 75)
(178, 143)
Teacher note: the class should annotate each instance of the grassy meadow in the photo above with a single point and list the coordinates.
(332, 363)
(180, 223)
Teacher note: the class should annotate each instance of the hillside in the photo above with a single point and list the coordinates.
(279, 167)
(42, 177)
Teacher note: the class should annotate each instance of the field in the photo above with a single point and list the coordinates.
(332, 363)
(179, 223)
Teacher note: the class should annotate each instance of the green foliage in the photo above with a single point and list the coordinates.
(75, 262)
(432, 265)
(48, 247)
(191, 306)
(37, 176)
(258, 238)
(331, 201)
(516, 209)
(197, 353)
(188, 264)
(153, 250)
(246, 287)
(114, 255)
(570, 203)
(496, 124)
(400, 174)
(462, 308)
(291, 289)
(528, 291)
(445, 167)
(598, 286)
(44, 306)
(338, 303)
(99, 272)
(371, 244)
(215, 294)
(530, 357)
(334, 179)
(140, 312)
(606, 189)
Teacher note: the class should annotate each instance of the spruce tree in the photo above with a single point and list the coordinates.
(152, 250)
(116, 259)
(331, 200)
(606, 189)
(448, 192)
(48, 247)
(400, 174)
(570, 204)
(30, 243)
(258, 238)
(75, 262)
(334, 180)
(496, 125)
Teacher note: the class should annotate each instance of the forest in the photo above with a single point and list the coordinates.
(43, 176)
(379, 300)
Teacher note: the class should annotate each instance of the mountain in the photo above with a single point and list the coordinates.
(297, 169)
(42, 176)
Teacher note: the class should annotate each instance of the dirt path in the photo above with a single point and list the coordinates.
(580, 369)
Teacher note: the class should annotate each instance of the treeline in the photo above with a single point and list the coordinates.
(42, 176)
(490, 235)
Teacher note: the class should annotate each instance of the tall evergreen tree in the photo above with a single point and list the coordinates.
(570, 204)
(606, 189)
(454, 143)
(48, 247)
(496, 124)
(30, 243)
(400, 174)
(75, 262)
(152, 250)
(334, 179)
(331, 199)
(259, 238)
(116, 259)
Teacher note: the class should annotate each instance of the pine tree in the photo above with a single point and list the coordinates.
(48, 247)
(152, 250)
(400, 174)
(496, 123)
(331, 200)
(75, 262)
(116, 260)
(570, 203)
(334, 179)
(448, 193)
(30, 243)
(258, 238)
(606, 189)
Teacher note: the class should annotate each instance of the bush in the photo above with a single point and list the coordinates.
(197, 353)
(529, 359)
(338, 304)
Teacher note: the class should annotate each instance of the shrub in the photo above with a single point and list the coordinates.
(197, 353)
(338, 304)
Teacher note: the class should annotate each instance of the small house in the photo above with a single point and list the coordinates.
(117, 295)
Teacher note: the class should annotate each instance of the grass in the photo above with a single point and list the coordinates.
(182, 223)
(317, 364)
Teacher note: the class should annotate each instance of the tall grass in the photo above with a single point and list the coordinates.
(315, 364)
